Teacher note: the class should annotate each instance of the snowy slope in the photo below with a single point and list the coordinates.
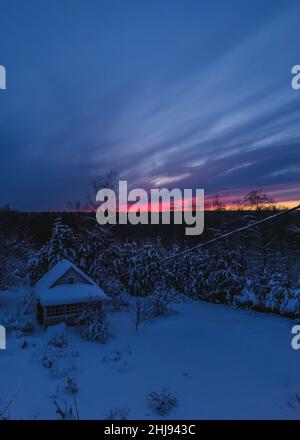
(219, 363)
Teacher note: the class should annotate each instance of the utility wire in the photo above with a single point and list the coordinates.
(228, 234)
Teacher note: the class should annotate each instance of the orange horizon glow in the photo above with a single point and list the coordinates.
(208, 206)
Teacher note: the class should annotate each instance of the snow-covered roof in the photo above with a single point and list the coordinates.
(70, 294)
(65, 293)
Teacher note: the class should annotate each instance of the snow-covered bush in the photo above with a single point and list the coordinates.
(290, 305)
(161, 402)
(116, 291)
(59, 341)
(158, 304)
(96, 331)
(15, 321)
(94, 325)
(27, 328)
(247, 299)
(60, 361)
(57, 335)
(65, 411)
(277, 294)
(118, 413)
(71, 386)
(153, 306)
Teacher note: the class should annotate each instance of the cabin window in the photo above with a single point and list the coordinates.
(65, 309)
(71, 280)
(55, 310)
(73, 308)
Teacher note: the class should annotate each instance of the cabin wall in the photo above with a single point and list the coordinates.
(56, 319)
(67, 313)
(65, 279)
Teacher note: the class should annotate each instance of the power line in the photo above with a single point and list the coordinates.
(228, 234)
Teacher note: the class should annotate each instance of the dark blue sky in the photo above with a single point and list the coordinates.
(183, 93)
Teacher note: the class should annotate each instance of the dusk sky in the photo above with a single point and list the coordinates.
(168, 93)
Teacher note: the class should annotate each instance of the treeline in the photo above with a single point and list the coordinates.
(257, 268)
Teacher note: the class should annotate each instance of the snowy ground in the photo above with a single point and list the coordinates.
(219, 362)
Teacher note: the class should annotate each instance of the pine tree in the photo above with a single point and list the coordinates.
(226, 278)
(62, 244)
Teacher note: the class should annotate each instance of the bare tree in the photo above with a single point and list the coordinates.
(139, 318)
(217, 204)
(258, 200)
(239, 204)
(207, 205)
(107, 181)
(93, 228)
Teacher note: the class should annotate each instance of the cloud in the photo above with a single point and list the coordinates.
(226, 120)
(164, 180)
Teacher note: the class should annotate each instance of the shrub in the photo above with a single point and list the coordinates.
(96, 331)
(120, 413)
(158, 304)
(27, 328)
(60, 362)
(58, 341)
(71, 386)
(94, 324)
(57, 336)
(153, 306)
(15, 321)
(64, 412)
(161, 402)
(117, 293)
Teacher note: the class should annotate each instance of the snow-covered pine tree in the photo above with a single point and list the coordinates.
(149, 272)
(140, 273)
(190, 274)
(128, 261)
(279, 293)
(62, 244)
(226, 278)
(173, 269)
(14, 253)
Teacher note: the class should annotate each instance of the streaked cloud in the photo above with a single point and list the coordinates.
(204, 101)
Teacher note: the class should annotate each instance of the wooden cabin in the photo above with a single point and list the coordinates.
(63, 292)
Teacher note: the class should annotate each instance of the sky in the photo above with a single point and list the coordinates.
(168, 93)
